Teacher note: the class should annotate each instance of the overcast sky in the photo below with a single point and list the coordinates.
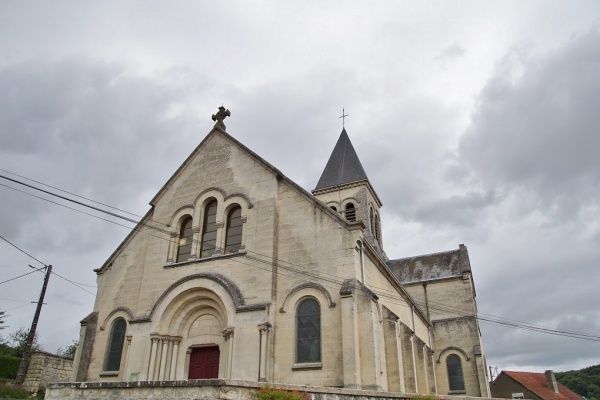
(476, 122)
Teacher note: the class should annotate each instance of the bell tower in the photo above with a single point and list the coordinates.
(345, 188)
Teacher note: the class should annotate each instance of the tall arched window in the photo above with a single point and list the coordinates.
(308, 332)
(455, 374)
(372, 222)
(350, 212)
(376, 233)
(209, 230)
(233, 240)
(115, 345)
(184, 249)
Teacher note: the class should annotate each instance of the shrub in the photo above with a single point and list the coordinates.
(13, 392)
(269, 393)
(9, 366)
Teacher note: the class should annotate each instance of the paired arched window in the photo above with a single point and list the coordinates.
(184, 244)
(209, 230)
(455, 373)
(233, 239)
(350, 212)
(115, 345)
(308, 331)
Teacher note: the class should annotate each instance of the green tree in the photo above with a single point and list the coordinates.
(2, 323)
(18, 340)
(68, 351)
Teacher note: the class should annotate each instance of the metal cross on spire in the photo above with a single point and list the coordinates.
(343, 117)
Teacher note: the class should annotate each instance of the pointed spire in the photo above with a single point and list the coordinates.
(343, 165)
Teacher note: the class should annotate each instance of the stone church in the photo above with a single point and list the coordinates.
(237, 272)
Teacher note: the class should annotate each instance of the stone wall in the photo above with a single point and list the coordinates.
(205, 389)
(45, 368)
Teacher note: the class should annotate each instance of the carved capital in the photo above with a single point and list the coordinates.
(227, 333)
(264, 328)
(219, 224)
(174, 234)
(244, 219)
(128, 337)
(196, 229)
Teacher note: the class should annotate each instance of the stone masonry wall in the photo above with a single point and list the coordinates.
(46, 368)
(208, 389)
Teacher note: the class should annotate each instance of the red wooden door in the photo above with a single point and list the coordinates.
(204, 363)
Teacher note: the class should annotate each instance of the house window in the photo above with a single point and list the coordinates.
(233, 240)
(350, 212)
(308, 332)
(455, 374)
(115, 345)
(184, 245)
(209, 230)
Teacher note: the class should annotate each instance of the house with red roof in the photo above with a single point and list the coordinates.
(530, 385)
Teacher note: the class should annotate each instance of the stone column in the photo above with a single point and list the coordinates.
(243, 245)
(196, 239)
(152, 358)
(163, 358)
(264, 331)
(174, 358)
(228, 335)
(172, 254)
(125, 369)
(220, 240)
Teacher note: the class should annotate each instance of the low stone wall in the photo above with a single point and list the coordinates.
(209, 389)
(45, 368)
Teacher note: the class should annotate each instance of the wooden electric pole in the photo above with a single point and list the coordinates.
(25, 358)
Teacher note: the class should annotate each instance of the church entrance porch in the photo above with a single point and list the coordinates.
(204, 363)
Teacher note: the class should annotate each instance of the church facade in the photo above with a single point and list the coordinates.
(237, 272)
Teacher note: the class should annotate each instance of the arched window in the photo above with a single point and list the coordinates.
(455, 374)
(376, 233)
(209, 230)
(350, 212)
(184, 245)
(372, 223)
(115, 345)
(308, 332)
(233, 240)
(378, 228)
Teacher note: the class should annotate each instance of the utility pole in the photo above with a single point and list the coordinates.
(25, 358)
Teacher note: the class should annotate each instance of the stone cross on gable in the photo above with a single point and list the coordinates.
(220, 116)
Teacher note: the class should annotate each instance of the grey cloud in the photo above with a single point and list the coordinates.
(451, 53)
(540, 131)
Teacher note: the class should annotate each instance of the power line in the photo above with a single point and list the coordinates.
(392, 296)
(73, 194)
(21, 250)
(20, 276)
(82, 204)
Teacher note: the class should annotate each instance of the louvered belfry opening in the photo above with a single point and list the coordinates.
(350, 212)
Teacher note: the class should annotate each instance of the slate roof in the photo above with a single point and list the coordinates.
(343, 165)
(430, 266)
(537, 383)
